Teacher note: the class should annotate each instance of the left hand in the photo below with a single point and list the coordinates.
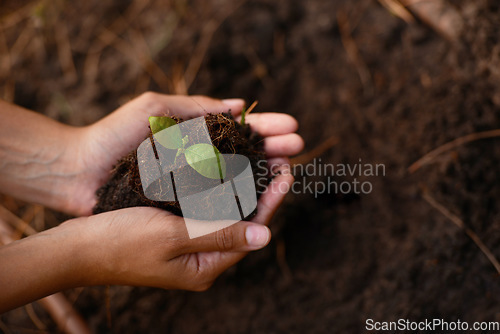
(100, 145)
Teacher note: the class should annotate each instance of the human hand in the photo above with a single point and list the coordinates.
(151, 247)
(135, 246)
(101, 145)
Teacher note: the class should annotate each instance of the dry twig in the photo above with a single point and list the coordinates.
(104, 39)
(64, 315)
(150, 66)
(259, 67)
(451, 145)
(64, 53)
(18, 16)
(460, 224)
(201, 48)
(17, 223)
(199, 52)
(22, 41)
(34, 317)
(396, 8)
(252, 107)
(281, 259)
(437, 14)
(143, 60)
(352, 49)
(5, 66)
(315, 152)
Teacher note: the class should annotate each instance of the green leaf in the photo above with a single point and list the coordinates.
(166, 132)
(206, 160)
(243, 114)
(185, 140)
(160, 123)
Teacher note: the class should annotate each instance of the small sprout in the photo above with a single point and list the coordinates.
(165, 133)
(185, 140)
(160, 123)
(245, 112)
(203, 158)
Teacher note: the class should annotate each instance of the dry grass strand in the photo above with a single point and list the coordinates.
(460, 224)
(429, 157)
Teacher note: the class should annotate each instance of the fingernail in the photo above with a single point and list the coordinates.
(257, 236)
(235, 104)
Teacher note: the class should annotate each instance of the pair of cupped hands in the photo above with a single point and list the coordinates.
(148, 246)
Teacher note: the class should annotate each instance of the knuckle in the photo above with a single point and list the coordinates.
(202, 280)
(201, 97)
(149, 96)
(204, 100)
(224, 239)
(153, 103)
(200, 287)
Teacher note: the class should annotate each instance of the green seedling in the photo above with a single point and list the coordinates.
(203, 158)
(245, 112)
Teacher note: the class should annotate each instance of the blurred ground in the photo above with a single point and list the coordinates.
(391, 91)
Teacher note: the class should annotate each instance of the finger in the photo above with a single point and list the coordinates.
(239, 237)
(235, 105)
(271, 124)
(274, 194)
(212, 264)
(283, 145)
(194, 106)
(155, 104)
(127, 127)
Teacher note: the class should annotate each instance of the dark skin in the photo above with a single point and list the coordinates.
(61, 167)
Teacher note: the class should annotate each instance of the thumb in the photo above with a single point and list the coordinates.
(239, 237)
(155, 104)
(127, 127)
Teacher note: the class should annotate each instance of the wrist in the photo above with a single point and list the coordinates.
(42, 264)
(97, 254)
(75, 193)
(37, 157)
(84, 252)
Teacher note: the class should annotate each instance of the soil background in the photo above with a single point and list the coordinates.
(391, 92)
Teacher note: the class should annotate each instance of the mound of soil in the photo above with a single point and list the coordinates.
(124, 188)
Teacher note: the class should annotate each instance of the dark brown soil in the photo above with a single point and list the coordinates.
(124, 188)
(335, 260)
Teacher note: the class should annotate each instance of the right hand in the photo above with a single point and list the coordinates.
(151, 247)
